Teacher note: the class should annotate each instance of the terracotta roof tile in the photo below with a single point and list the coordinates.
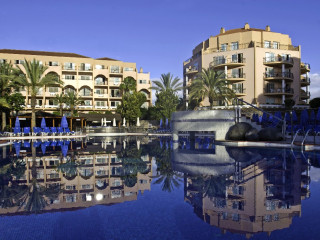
(42, 53)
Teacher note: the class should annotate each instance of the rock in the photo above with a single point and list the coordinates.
(243, 154)
(270, 134)
(238, 131)
(252, 135)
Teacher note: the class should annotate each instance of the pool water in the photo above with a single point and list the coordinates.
(140, 188)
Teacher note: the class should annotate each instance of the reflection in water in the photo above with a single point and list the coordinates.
(70, 175)
(262, 193)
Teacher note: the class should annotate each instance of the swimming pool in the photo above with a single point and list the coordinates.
(141, 188)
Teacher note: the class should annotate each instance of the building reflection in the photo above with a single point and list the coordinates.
(262, 194)
(84, 176)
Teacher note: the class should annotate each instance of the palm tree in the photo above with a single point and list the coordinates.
(60, 99)
(210, 84)
(7, 75)
(32, 75)
(73, 100)
(129, 84)
(167, 83)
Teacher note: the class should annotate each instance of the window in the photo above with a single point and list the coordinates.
(234, 46)
(235, 217)
(267, 44)
(85, 67)
(115, 93)
(219, 60)
(115, 69)
(102, 159)
(270, 88)
(127, 194)
(86, 186)
(117, 183)
(115, 103)
(224, 216)
(237, 73)
(69, 90)
(3, 61)
(69, 77)
(69, 66)
(85, 92)
(269, 72)
(19, 61)
(100, 103)
(99, 91)
(71, 198)
(116, 81)
(237, 58)
(270, 57)
(100, 81)
(276, 217)
(87, 103)
(276, 45)
(53, 89)
(142, 81)
(128, 69)
(268, 218)
(99, 66)
(53, 63)
(143, 181)
(224, 47)
(39, 102)
(115, 193)
(85, 77)
(53, 102)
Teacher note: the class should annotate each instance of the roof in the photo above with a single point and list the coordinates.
(106, 58)
(237, 30)
(42, 53)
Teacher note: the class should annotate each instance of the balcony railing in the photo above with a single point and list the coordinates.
(236, 75)
(305, 94)
(191, 70)
(306, 66)
(101, 107)
(278, 75)
(115, 95)
(100, 83)
(279, 90)
(85, 69)
(115, 70)
(305, 80)
(278, 59)
(239, 90)
(224, 61)
(85, 94)
(69, 68)
(85, 107)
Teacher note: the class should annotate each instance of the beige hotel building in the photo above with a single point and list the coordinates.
(261, 66)
(96, 81)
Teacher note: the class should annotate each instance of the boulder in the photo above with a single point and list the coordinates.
(270, 134)
(252, 135)
(238, 131)
(240, 154)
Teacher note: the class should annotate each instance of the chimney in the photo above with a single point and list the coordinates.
(222, 30)
(141, 70)
(246, 26)
(268, 28)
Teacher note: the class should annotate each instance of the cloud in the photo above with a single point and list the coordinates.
(315, 85)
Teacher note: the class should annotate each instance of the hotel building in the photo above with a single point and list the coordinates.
(262, 67)
(96, 81)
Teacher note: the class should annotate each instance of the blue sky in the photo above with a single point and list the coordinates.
(157, 35)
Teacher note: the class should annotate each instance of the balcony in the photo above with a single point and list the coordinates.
(191, 70)
(230, 63)
(115, 71)
(115, 95)
(85, 107)
(100, 107)
(278, 91)
(304, 68)
(85, 94)
(304, 95)
(236, 77)
(305, 81)
(85, 69)
(101, 83)
(69, 68)
(51, 106)
(239, 91)
(278, 61)
(100, 95)
(276, 76)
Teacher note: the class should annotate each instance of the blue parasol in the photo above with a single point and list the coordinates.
(167, 122)
(161, 144)
(64, 150)
(53, 143)
(64, 123)
(312, 116)
(161, 123)
(304, 117)
(287, 117)
(43, 123)
(17, 124)
(36, 144)
(17, 146)
(26, 144)
(294, 116)
(43, 148)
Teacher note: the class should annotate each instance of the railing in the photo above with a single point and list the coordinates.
(305, 94)
(74, 68)
(279, 90)
(237, 75)
(85, 94)
(191, 70)
(305, 80)
(278, 75)
(278, 59)
(239, 90)
(115, 95)
(248, 45)
(305, 65)
(84, 69)
(100, 83)
(51, 106)
(86, 106)
(115, 70)
(101, 107)
(226, 61)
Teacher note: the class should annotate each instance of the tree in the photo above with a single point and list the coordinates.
(32, 75)
(166, 103)
(17, 102)
(7, 76)
(314, 103)
(60, 99)
(130, 106)
(289, 103)
(212, 85)
(73, 100)
(167, 83)
(129, 85)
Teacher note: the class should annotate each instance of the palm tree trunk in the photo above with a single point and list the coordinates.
(72, 110)
(4, 120)
(33, 112)
(60, 109)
